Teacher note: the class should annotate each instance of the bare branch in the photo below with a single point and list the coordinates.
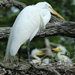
(10, 3)
(4, 32)
(65, 28)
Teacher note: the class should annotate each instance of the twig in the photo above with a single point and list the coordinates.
(49, 51)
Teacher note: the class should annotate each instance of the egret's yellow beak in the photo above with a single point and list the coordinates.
(56, 49)
(41, 53)
(56, 13)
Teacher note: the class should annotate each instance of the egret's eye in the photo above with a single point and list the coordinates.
(45, 4)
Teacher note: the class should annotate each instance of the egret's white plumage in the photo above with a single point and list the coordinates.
(61, 58)
(31, 19)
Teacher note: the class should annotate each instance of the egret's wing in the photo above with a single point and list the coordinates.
(34, 33)
(24, 28)
(7, 54)
(43, 21)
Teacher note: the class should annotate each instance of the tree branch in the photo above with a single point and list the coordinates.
(4, 32)
(10, 3)
(64, 28)
(33, 69)
(54, 27)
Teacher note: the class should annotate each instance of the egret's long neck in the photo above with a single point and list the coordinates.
(37, 58)
(46, 16)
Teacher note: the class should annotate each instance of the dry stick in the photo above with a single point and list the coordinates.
(47, 43)
(54, 44)
(44, 49)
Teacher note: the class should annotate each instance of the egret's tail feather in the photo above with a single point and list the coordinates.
(11, 50)
(7, 54)
(8, 57)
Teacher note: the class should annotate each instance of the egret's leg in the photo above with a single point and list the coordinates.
(28, 49)
(19, 54)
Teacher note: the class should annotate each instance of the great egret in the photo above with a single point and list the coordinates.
(31, 19)
(61, 58)
(34, 54)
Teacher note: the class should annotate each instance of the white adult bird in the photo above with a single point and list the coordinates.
(35, 52)
(61, 58)
(31, 19)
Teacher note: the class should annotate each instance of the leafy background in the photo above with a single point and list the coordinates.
(66, 8)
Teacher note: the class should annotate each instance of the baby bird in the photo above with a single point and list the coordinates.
(35, 52)
(61, 58)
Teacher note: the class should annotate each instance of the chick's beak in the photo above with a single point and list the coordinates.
(56, 49)
(41, 53)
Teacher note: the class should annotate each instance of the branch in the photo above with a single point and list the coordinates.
(54, 27)
(33, 69)
(4, 32)
(65, 28)
(10, 3)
